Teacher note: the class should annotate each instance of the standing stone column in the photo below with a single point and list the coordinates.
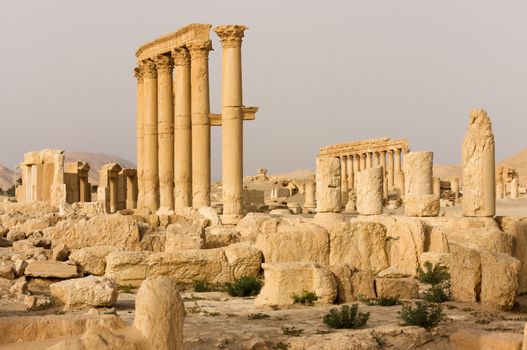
(200, 106)
(376, 159)
(436, 186)
(165, 131)
(363, 161)
(328, 179)
(344, 179)
(369, 157)
(351, 172)
(390, 170)
(384, 179)
(138, 72)
(356, 165)
(399, 176)
(183, 133)
(150, 151)
(479, 177)
(232, 122)
(454, 187)
(370, 191)
(309, 201)
(84, 184)
(113, 185)
(419, 199)
(514, 188)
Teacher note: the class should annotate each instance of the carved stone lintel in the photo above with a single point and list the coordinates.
(164, 64)
(149, 69)
(199, 49)
(230, 35)
(181, 56)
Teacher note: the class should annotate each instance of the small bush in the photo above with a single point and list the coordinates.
(201, 286)
(292, 331)
(347, 317)
(125, 288)
(246, 286)
(362, 298)
(434, 274)
(426, 315)
(379, 339)
(281, 346)
(306, 298)
(439, 293)
(258, 316)
(387, 301)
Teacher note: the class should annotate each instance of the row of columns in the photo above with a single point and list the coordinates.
(389, 160)
(173, 126)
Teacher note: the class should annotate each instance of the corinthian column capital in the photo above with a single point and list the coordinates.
(138, 71)
(149, 69)
(199, 49)
(230, 35)
(181, 56)
(164, 64)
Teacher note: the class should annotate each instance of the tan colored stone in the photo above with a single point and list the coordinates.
(499, 280)
(92, 260)
(160, 313)
(282, 280)
(465, 274)
(516, 227)
(220, 236)
(352, 283)
(185, 235)
(362, 244)
(418, 173)
(51, 269)
(469, 339)
(255, 223)
(60, 252)
(479, 183)
(87, 291)
(421, 205)
(100, 338)
(328, 185)
(369, 190)
(404, 288)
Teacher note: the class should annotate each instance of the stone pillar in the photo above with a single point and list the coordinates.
(309, 193)
(183, 134)
(376, 159)
(390, 170)
(200, 106)
(356, 166)
(370, 191)
(165, 131)
(131, 188)
(351, 172)
(232, 122)
(369, 157)
(328, 179)
(454, 186)
(500, 190)
(139, 133)
(362, 161)
(479, 183)
(419, 198)
(114, 191)
(384, 179)
(344, 180)
(436, 187)
(514, 188)
(84, 184)
(150, 143)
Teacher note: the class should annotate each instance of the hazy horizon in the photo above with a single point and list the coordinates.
(321, 74)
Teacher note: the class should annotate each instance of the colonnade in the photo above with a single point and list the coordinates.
(174, 121)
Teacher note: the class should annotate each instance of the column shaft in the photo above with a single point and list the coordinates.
(390, 170)
(351, 172)
(368, 160)
(344, 179)
(139, 132)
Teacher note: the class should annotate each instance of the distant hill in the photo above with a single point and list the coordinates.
(518, 162)
(96, 161)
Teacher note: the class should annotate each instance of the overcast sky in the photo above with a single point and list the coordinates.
(322, 72)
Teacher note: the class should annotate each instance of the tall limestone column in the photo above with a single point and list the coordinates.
(514, 188)
(344, 179)
(165, 131)
(138, 72)
(384, 179)
(390, 169)
(363, 161)
(150, 143)
(376, 159)
(399, 174)
(183, 133)
(369, 157)
(200, 106)
(328, 180)
(479, 174)
(232, 122)
(350, 172)
(419, 199)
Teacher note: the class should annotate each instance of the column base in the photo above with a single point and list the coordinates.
(327, 220)
(230, 219)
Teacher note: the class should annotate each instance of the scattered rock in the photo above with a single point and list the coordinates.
(60, 252)
(404, 288)
(88, 291)
(51, 269)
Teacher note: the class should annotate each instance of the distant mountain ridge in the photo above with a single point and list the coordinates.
(96, 161)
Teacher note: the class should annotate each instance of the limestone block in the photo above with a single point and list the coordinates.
(6, 270)
(421, 205)
(220, 236)
(110, 230)
(127, 267)
(469, 339)
(362, 244)
(255, 223)
(404, 288)
(60, 252)
(100, 338)
(283, 244)
(185, 235)
(209, 214)
(282, 280)
(50, 269)
(465, 274)
(499, 280)
(243, 260)
(92, 260)
(369, 190)
(328, 185)
(19, 267)
(159, 313)
(516, 227)
(88, 291)
(352, 283)
(479, 190)
(418, 173)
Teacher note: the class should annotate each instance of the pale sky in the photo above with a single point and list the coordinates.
(322, 72)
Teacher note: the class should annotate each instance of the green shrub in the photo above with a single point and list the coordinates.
(306, 298)
(292, 331)
(387, 301)
(434, 274)
(362, 298)
(202, 286)
(125, 288)
(244, 287)
(439, 293)
(426, 315)
(258, 316)
(345, 318)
